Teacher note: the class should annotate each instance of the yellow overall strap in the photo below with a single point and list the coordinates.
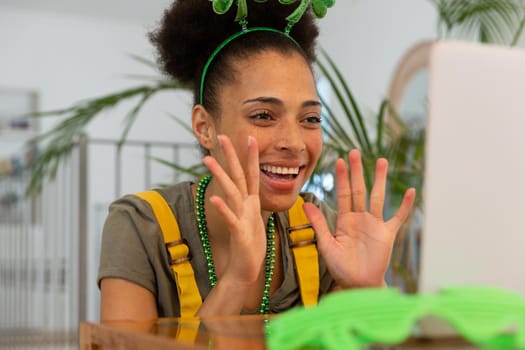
(302, 238)
(189, 297)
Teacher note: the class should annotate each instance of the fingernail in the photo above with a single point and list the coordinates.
(250, 141)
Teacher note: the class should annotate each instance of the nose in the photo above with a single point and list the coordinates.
(289, 137)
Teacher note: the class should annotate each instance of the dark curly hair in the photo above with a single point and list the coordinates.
(189, 32)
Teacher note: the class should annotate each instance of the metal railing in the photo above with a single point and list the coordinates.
(49, 243)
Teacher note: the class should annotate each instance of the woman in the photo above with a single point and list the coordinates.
(257, 118)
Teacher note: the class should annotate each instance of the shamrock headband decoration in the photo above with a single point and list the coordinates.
(319, 8)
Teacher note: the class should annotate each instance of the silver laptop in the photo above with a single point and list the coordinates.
(474, 195)
(474, 192)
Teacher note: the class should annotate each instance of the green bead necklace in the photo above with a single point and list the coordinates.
(269, 261)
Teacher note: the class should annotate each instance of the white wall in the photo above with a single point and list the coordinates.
(366, 38)
(68, 58)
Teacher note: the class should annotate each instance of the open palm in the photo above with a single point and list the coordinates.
(241, 210)
(357, 254)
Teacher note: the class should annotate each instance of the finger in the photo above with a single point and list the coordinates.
(402, 213)
(344, 194)
(377, 196)
(357, 181)
(234, 165)
(318, 221)
(229, 188)
(252, 171)
(227, 214)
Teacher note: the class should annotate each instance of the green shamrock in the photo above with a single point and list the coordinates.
(319, 8)
(221, 6)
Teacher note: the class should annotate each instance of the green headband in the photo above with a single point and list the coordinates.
(226, 42)
(220, 7)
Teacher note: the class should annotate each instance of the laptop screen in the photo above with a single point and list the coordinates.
(474, 191)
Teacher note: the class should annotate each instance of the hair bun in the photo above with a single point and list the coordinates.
(190, 30)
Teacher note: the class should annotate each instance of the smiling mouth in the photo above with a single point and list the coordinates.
(280, 173)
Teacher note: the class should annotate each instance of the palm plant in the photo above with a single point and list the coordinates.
(486, 21)
(62, 138)
(395, 140)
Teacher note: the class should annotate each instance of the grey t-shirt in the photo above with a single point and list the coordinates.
(133, 249)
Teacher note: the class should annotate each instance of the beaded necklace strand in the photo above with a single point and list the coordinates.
(269, 260)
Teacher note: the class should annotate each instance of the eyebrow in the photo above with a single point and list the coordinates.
(278, 102)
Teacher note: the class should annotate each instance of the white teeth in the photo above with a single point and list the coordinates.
(280, 170)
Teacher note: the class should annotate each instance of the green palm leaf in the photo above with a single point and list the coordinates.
(183, 123)
(60, 140)
(347, 101)
(489, 21)
(395, 140)
(197, 170)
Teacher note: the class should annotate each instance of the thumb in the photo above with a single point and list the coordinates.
(319, 224)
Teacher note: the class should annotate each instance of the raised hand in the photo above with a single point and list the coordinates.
(357, 254)
(241, 210)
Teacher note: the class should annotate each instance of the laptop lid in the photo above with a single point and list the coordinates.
(474, 191)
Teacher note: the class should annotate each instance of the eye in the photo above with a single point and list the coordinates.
(261, 115)
(313, 119)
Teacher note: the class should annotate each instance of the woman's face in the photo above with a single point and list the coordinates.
(273, 98)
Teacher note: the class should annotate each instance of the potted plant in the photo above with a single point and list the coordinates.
(402, 142)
